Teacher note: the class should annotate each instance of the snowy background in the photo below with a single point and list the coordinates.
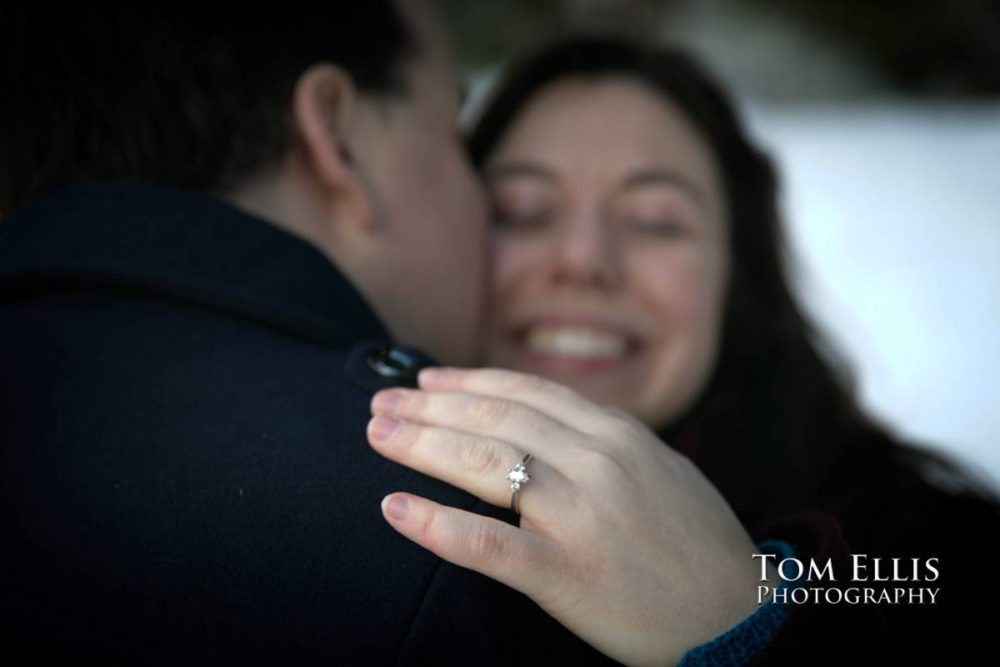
(893, 210)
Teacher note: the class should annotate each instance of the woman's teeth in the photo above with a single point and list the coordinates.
(576, 342)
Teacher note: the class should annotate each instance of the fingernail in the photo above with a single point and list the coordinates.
(387, 400)
(382, 427)
(430, 374)
(396, 506)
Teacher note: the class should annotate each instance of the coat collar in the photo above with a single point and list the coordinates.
(182, 243)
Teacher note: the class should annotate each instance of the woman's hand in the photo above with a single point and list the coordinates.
(621, 538)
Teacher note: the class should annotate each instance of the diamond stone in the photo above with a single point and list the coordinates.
(517, 476)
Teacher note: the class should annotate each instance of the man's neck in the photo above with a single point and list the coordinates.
(284, 202)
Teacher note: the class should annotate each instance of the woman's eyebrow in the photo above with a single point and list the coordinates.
(669, 177)
(511, 169)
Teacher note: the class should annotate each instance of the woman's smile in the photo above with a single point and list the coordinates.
(571, 344)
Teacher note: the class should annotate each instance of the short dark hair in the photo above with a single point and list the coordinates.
(190, 98)
(780, 403)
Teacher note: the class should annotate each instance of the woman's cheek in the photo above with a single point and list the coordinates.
(678, 284)
(515, 262)
(504, 262)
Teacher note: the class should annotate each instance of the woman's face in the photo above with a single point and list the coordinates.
(610, 241)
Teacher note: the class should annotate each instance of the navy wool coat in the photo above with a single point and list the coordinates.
(185, 472)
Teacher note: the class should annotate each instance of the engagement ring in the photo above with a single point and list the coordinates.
(518, 476)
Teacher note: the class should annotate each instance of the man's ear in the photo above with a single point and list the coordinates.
(326, 109)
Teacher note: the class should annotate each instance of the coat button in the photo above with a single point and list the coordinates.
(378, 364)
(394, 362)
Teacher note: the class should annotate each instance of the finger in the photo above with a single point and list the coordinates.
(526, 562)
(504, 419)
(477, 464)
(554, 399)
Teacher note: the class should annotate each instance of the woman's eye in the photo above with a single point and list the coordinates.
(513, 219)
(656, 226)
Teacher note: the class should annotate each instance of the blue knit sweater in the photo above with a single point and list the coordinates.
(744, 642)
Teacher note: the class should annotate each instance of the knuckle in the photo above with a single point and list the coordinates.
(428, 529)
(617, 413)
(560, 390)
(479, 458)
(605, 467)
(514, 383)
(491, 411)
(485, 543)
(412, 404)
(684, 465)
(594, 460)
(417, 439)
(441, 534)
(619, 424)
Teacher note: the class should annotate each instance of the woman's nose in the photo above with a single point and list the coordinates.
(585, 254)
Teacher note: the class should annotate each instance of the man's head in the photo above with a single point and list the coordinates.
(338, 125)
